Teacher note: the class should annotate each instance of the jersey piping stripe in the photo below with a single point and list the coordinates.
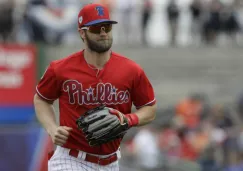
(146, 104)
(43, 96)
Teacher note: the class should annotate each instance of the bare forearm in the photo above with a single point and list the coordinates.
(45, 114)
(146, 114)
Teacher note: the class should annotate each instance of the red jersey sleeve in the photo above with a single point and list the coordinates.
(49, 88)
(142, 92)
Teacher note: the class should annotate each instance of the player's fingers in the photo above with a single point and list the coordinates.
(62, 137)
(59, 142)
(113, 111)
(63, 131)
(117, 113)
(67, 128)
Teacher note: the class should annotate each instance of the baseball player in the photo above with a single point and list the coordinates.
(83, 81)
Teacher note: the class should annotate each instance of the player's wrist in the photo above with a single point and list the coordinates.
(132, 119)
(51, 129)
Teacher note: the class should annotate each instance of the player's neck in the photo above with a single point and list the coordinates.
(98, 60)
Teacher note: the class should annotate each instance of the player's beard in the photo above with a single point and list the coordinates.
(99, 46)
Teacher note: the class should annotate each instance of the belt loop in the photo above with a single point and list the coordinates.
(82, 155)
(118, 153)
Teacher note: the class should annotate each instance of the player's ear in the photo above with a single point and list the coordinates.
(81, 34)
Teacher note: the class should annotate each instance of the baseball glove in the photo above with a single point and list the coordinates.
(101, 125)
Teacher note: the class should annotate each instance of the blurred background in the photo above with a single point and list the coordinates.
(191, 51)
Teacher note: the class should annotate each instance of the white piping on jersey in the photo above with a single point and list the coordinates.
(42, 95)
(98, 70)
(146, 104)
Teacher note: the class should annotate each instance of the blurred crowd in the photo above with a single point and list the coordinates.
(209, 19)
(202, 135)
(31, 21)
(55, 21)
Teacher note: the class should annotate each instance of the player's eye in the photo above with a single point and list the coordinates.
(96, 29)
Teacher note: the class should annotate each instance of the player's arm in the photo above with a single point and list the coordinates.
(145, 114)
(47, 91)
(141, 117)
(144, 99)
(45, 114)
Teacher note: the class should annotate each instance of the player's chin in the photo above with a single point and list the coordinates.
(104, 47)
(104, 43)
(104, 40)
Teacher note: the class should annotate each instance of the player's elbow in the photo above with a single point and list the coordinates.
(150, 113)
(153, 110)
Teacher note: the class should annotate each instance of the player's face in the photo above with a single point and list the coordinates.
(99, 37)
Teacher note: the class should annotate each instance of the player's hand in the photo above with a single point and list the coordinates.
(60, 135)
(120, 115)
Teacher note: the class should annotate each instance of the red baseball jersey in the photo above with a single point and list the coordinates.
(80, 87)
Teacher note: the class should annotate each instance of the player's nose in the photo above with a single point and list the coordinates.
(103, 33)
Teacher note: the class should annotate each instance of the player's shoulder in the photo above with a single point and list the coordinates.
(68, 60)
(126, 62)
